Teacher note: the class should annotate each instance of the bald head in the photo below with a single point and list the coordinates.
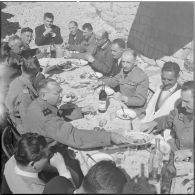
(101, 37)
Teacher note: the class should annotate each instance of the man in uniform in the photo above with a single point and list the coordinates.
(132, 81)
(101, 60)
(42, 118)
(21, 92)
(180, 121)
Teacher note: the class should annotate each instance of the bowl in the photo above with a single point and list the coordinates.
(130, 114)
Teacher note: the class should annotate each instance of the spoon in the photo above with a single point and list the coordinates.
(124, 114)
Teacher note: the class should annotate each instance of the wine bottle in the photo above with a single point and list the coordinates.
(102, 100)
(155, 163)
(52, 50)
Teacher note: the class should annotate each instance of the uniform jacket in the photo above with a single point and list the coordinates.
(42, 118)
(19, 96)
(134, 86)
(116, 67)
(103, 59)
(165, 108)
(40, 39)
(75, 40)
(181, 124)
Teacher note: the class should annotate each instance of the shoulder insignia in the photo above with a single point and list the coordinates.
(180, 116)
(46, 111)
(25, 90)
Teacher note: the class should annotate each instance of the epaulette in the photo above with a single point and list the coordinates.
(46, 111)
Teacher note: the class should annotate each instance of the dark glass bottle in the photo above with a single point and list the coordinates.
(102, 107)
(52, 50)
(155, 163)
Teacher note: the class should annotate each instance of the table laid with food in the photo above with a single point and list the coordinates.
(77, 80)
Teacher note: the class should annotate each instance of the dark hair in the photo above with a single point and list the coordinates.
(48, 15)
(30, 147)
(5, 50)
(74, 22)
(31, 65)
(104, 175)
(188, 85)
(44, 83)
(171, 67)
(119, 42)
(87, 26)
(105, 35)
(27, 29)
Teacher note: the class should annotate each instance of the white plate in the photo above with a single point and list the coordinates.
(98, 157)
(98, 75)
(164, 146)
(108, 90)
(129, 112)
(79, 62)
(66, 99)
(138, 138)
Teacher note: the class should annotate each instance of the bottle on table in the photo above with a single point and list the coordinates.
(52, 50)
(155, 162)
(102, 107)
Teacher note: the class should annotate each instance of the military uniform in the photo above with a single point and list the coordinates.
(19, 96)
(42, 118)
(134, 85)
(181, 124)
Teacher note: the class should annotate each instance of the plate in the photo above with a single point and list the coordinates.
(138, 138)
(164, 146)
(108, 90)
(129, 112)
(98, 75)
(79, 62)
(66, 99)
(98, 157)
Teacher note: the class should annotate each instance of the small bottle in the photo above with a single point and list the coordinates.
(155, 163)
(52, 50)
(102, 100)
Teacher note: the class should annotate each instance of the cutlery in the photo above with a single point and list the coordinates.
(125, 115)
(91, 157)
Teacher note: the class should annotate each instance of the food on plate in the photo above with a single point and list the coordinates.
(84, 75)
(138, 138)
(72, 96)
(66, 65)
(133, 140)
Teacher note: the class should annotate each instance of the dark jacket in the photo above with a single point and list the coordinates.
(103, 59)
(75, 40)
(40, 39)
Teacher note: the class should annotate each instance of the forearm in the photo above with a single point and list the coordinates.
(102, 67)
(163, 122)
(79, 56)
(136, 101)
(40, 39)
(111, 81)
(63, 171)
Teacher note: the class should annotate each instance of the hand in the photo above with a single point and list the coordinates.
(57, 160)
(47, 31)
(118, 139)
(117, 96)
(89, 57)
(148, 127)
(95, 85)
(88, 109)
(182, 155)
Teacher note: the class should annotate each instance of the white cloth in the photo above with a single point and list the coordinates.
(165, 108)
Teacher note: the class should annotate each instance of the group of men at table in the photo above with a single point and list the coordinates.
(32, 100)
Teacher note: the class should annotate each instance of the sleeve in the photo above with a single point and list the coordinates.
(39, 37)
(166, 122)
(65, 133)
(141, 92)
(58, 38)
(112, 81)
(104, 65)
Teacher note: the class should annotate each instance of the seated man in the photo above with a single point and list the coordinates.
(87, 45)
(103, 178)
(21, 91)
(42, 118)
(163, 100)
(26, 37)
(102, 60)
(132, 81)
(48, 33)
(180, 121)
(21, 170)
(75, 36)
(118, 47)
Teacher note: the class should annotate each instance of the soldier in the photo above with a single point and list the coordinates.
(180, 120)
(132, 81)
(42, 118)
(21, 91)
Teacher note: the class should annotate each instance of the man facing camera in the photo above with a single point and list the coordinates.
(48, 33)
(132, 81)
(26, 36)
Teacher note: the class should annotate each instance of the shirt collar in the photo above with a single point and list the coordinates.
(172, 89)
(25, 173)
